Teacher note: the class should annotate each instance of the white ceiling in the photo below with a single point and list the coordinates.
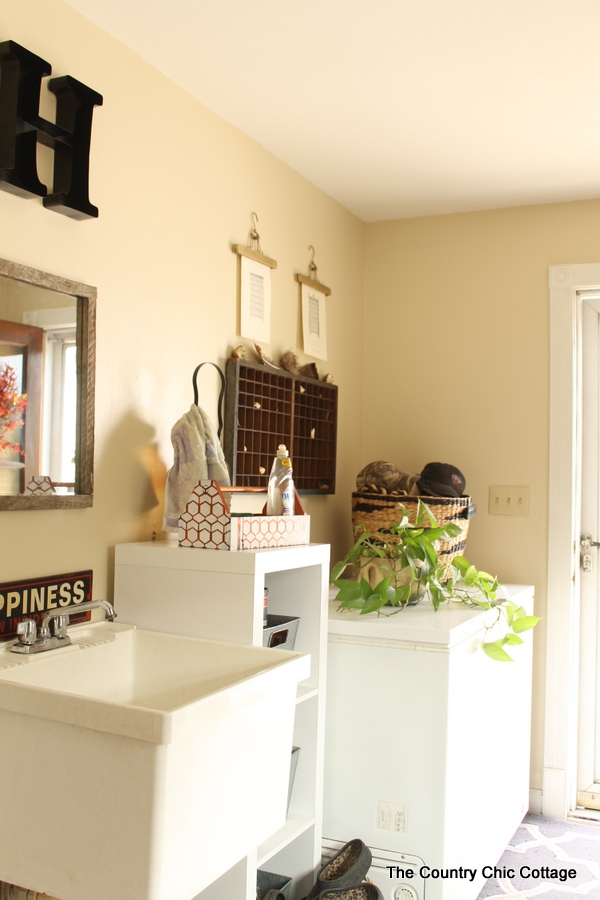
(395, 108)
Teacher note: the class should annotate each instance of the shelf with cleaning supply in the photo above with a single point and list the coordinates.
(161, 586)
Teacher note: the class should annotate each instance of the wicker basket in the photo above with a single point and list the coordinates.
(378, 511)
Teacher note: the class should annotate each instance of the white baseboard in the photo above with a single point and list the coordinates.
(535, 801)
(555, 802)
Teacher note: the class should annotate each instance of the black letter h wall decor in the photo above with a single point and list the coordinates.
(21, 127)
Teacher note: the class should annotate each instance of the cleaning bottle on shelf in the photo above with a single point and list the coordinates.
(280, 497)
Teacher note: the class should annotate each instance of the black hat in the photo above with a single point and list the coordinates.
(441, 480)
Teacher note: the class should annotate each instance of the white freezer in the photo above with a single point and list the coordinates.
(427, 741)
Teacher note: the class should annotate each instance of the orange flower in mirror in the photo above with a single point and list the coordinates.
(12, 404)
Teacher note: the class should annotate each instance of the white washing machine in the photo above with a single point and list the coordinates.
(427, 744)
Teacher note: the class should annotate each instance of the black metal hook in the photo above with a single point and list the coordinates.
(221, 392)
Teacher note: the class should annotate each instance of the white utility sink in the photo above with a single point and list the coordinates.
(140, 765)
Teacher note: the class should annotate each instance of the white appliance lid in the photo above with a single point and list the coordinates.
(419, 624)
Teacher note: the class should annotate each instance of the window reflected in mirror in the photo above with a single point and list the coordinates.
(46, 390)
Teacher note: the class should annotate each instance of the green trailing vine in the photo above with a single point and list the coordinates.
(407, 556)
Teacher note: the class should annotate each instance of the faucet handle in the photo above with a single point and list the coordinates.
(60, 626)
(27, 631)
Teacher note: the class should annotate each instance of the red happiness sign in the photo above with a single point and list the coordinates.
(32, 598)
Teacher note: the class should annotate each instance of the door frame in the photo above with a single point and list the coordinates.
(588, 789)
(562, 615)
(28, 340)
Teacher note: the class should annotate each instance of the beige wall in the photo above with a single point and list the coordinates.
(457, 331)
(17, 298)
(455, 336)
(175, 186)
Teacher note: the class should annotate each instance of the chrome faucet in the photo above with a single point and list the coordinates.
(30, 641)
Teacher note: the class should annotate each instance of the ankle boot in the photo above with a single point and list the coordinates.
(347, 868)
(358, 892)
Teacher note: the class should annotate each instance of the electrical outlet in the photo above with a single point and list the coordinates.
(509, 500)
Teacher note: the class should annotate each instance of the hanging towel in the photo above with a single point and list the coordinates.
(197, 456)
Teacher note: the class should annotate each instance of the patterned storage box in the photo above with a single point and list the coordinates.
(207, 523)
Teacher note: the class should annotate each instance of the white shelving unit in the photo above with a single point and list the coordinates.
(218, 594)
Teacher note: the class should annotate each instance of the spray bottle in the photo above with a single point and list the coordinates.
(280, 498)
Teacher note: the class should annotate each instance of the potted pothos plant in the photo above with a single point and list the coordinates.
(399, 567)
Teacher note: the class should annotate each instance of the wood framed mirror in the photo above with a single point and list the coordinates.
(47, 380)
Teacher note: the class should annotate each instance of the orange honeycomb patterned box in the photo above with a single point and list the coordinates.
(208, 524)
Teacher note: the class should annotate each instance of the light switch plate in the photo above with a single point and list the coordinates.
(509, 500)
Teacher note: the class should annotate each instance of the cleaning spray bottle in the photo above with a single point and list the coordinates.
(280, 497)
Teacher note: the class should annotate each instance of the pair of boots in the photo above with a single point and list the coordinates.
(342, 877)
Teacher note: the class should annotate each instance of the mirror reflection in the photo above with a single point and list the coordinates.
(46, 389)
(38, 387)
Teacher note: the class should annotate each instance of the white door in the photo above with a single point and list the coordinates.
(588, 763)
(569, 615)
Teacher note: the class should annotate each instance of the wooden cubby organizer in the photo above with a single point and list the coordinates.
(217, 594)
(266, 407)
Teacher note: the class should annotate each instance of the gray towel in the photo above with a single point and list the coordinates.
(197, 457)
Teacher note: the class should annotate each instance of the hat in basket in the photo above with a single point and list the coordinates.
(381, 474)
(442, 480)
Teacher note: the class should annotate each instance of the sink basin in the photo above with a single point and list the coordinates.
(141, 765)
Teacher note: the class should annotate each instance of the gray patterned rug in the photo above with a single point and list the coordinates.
(550, 859)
